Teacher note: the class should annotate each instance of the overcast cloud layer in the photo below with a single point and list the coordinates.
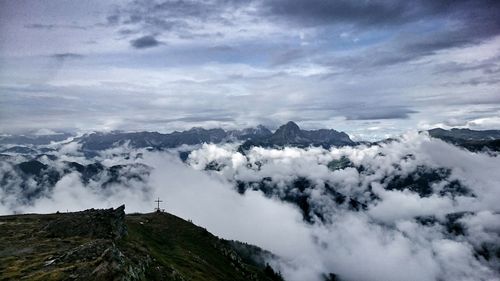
(372, 68)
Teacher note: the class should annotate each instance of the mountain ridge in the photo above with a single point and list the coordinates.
(111, 245)
(472, 140)
(289, 134)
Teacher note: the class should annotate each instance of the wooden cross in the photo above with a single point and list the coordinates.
(158, 201)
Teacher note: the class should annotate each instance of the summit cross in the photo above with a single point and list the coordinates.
(157, 209)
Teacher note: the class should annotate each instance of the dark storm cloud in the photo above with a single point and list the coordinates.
(388, 13)
(143, 42)
(456, 23)
(314, 12)
(301, 12)
(480, 16)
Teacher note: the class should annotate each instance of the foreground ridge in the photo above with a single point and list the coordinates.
(109, 245)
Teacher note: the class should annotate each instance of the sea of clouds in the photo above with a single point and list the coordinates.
(385, 240)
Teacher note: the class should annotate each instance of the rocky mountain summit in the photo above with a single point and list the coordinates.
(109, 245)
(290, 134)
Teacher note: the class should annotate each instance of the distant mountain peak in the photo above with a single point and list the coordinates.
(197, 129)
(288, 133)
(262, 128)
(290, 125)
(291, 134)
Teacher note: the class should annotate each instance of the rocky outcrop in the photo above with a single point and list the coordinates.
(115, 265)
(105, 224)
(100, 258)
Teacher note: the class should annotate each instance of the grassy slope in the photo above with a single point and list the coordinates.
(23, 253)
(167, 247)
(189, 250)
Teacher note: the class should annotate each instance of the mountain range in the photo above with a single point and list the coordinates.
(472, 140)
(36, 168)
(289, 134)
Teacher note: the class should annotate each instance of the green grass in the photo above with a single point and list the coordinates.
(159, 246)
(191, 251)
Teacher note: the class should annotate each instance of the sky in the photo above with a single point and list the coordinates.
(370, 68)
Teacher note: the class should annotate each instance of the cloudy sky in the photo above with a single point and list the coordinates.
(370, 68)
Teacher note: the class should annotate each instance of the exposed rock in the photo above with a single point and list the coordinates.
(90, 223)
(114, 265)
